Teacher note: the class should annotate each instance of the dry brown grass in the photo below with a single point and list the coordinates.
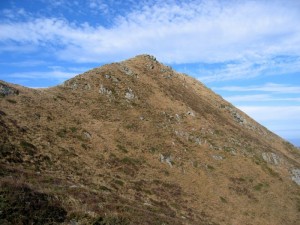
(98, 155)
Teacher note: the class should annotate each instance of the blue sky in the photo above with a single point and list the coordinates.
(246, 51)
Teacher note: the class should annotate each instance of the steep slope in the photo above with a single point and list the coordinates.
(138, 143)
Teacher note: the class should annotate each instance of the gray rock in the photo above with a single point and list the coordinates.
(198, 141)
(150, 66)
(115, 80)
(127, 71)
(217, 157)
(239, 118)
(296, 175)
(169, 76)
(87, 86)
(129, 94)
(105, 91)
(167, 159)
(87, 135)
(271, 158)
(190, 113)
(177, 117)
(70, 84)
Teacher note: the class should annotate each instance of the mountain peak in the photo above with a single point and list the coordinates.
(136, 142)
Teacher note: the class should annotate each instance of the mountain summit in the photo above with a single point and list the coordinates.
(136, 142)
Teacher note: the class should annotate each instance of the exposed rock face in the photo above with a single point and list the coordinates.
(167, 159)
(129, 94)
(296, 175)
(136, 142)
(104, 91)
(271, 157)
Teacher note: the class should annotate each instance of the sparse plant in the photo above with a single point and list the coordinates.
(11, 101)
(223, 199)
(122, 148)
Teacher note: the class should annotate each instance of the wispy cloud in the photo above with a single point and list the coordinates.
(260, 98)
(271, 113)
(266, 65)
(26, 63)
(269, 87)
(195, 31)
(43, 75)
(283, 121)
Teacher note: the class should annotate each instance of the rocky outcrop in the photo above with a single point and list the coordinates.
(296, 175)
(271, 158)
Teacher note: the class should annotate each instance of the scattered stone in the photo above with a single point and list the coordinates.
(151, 57)
(188, 137)
(296, 175)
(87, 86)
(115, 80)
(271, 158)
(107, 76)
(87, 135)
(217, 157)
(129, 94)
(239, 118)
(177, 117)
(105, 91)
(127, 71)
(191, 113)
(150, 66)
(167, 159)
(233, 152)
(198, 141)
(70, 84)
(169, 76)
(147, 204)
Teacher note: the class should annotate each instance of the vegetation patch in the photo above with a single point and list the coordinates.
(19, 204)
(223, 199)
(62, 133)
(131, 161)
(10, 153)
(28, 147)
(111, 220)
(260, 186)
(122, 148)
(11, 101)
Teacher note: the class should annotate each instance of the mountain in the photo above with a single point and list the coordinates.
(136, 142)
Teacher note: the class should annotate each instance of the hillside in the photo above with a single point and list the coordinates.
(138, 143)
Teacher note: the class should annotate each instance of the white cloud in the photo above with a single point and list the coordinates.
(260, 98)
(196, 31)
(251, 68)
(60, 75)
(269, 87)
(26, 63)
(283, 120)
(271, 113)
(98, 5)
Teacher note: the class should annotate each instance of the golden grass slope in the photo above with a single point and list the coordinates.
(138, 143)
